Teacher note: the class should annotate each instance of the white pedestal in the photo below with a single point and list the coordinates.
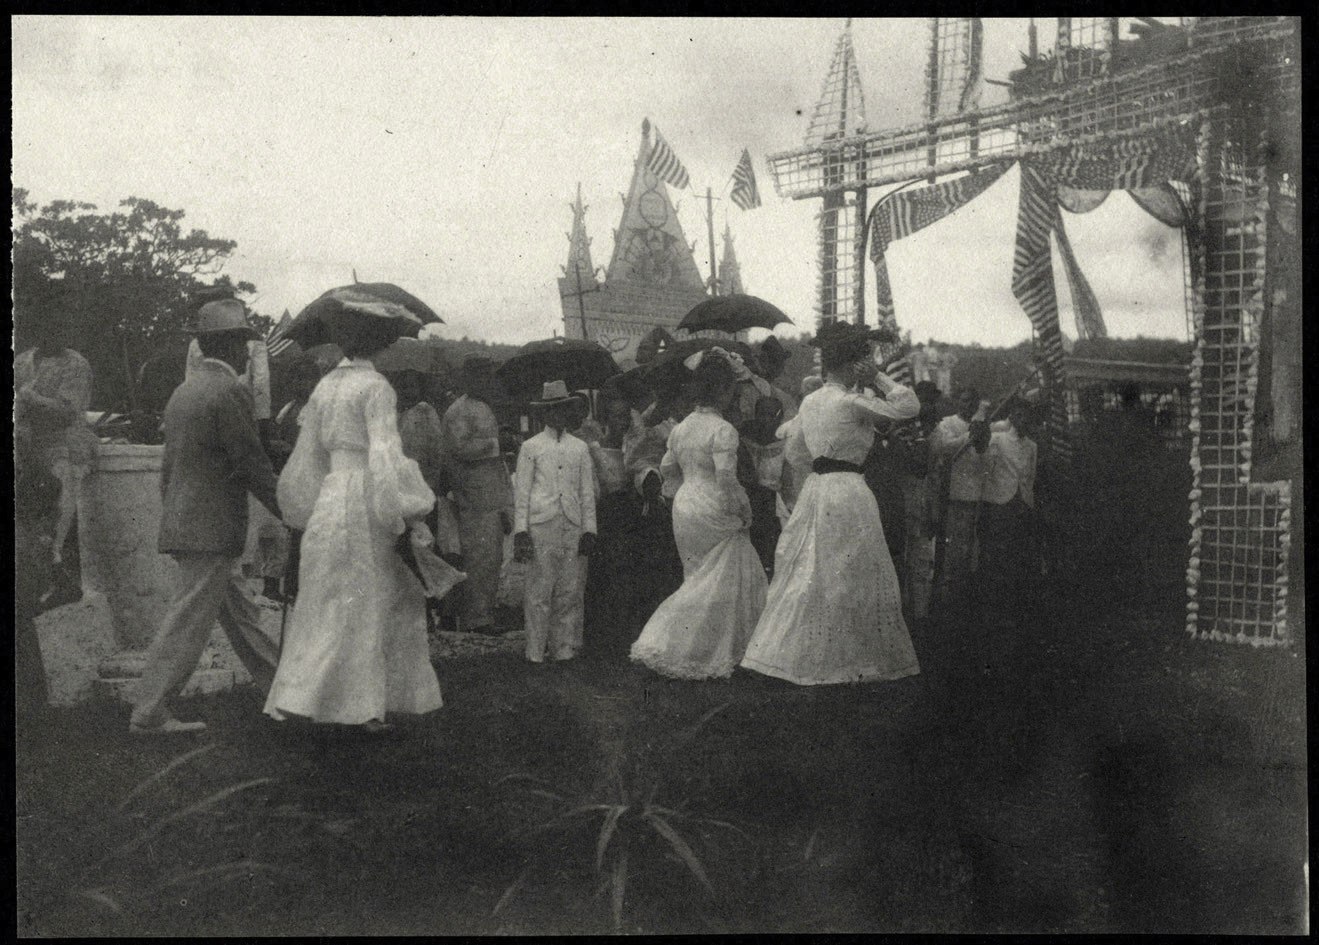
(97, 647)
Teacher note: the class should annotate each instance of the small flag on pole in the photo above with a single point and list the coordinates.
(665, 164)
(745, 193)
(276, 342)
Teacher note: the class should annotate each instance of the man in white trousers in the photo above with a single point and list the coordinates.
(213, 461)
(554, 527)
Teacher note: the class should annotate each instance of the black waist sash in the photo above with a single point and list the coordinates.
(823, 465)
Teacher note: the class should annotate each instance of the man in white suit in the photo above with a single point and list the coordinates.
(554, 528)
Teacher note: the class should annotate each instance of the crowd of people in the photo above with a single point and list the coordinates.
(697, 529)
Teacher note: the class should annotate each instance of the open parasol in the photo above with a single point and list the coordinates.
(378, 299)
(732, 313)
(583, 365)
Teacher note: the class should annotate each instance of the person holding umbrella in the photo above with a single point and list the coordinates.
(481, 489)
(554, 527)
(701, 630)
(356, 646)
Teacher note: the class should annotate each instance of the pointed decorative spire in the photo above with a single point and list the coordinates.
(730, 274)
(649, 244)
(579, 244)
(841, 111)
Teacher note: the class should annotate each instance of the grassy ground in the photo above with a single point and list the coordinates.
(1094, 772)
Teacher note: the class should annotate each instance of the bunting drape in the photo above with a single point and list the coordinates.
(1139, 163)
(1077, 179)
(1089, 317)
(902, 214)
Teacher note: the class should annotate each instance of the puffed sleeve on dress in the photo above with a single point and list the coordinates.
(397, 490)
(900, 404)
(795, 451)
(306, 469)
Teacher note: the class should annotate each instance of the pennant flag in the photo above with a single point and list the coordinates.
(665, 164)
(745, 193)
(277, 342)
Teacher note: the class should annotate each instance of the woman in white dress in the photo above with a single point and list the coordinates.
(356, 645)
(834, 610)
(700, 631)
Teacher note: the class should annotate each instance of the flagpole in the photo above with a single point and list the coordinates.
(709, 223)
(581, 300)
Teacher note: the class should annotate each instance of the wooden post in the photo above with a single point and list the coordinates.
(581, 299)
(709, 224)
(131, 390)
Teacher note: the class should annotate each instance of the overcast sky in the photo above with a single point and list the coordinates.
(442, 154)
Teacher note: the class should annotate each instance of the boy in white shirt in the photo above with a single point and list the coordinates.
(554, 527)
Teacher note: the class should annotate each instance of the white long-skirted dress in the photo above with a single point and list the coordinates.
(355, 646)
(834, 610)
(700, 631)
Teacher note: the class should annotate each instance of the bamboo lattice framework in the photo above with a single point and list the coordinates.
(1236, 80)
(1134, 102)
(841, 108)
(953, 71)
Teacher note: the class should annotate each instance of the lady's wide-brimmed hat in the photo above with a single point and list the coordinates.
(223, 315)
(772, 351)
(554, 393)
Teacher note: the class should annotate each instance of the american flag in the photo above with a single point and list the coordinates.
(1085, 305)
(665, 164)
(905, 212)
(277, 341)
(745, 193)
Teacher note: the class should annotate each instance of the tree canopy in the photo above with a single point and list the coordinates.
(128, 280)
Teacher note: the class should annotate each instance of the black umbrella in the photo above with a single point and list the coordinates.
(583, 365)
(732, 313)
(378, 299)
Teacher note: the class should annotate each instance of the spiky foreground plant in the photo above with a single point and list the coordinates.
(628, 817)
(87, 882)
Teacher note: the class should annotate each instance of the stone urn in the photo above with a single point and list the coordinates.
(118, 525)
